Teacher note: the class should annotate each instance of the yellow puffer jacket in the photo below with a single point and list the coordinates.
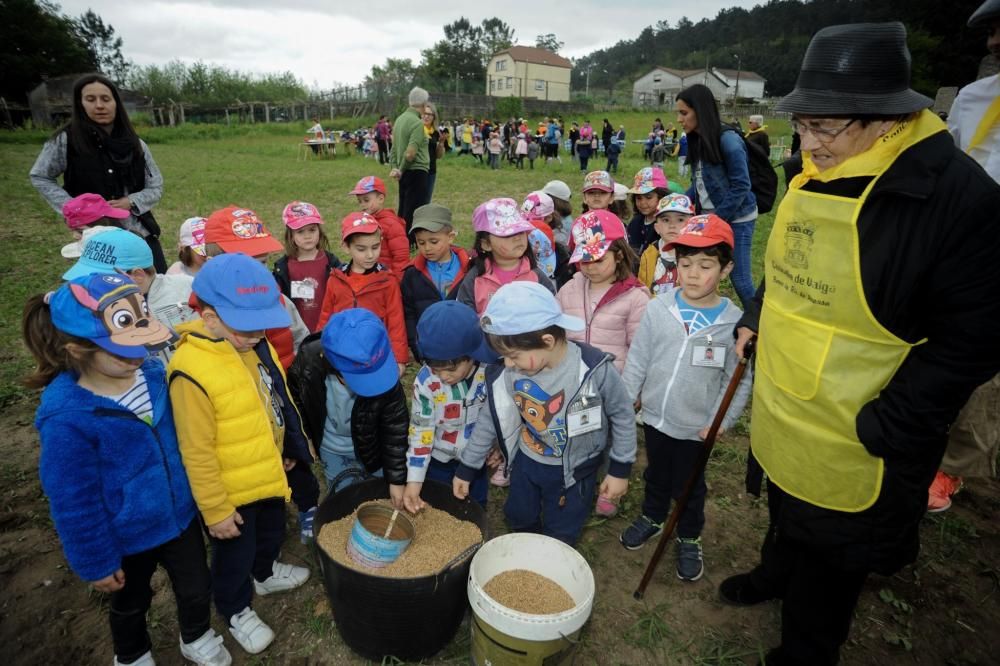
(250, 464)
(647, 265)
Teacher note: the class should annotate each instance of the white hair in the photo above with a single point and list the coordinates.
(756, 118)
(419, 97)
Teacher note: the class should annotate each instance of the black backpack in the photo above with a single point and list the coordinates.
(763, 177)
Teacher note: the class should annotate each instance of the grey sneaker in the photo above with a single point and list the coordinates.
(639, 532)
(690, 566)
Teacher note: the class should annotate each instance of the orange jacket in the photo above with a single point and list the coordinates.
(377, 292)
(395, 252)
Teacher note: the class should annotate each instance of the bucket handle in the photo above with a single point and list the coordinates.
(350, 472)
(461, 556)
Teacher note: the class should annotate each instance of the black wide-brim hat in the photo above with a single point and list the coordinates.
(855, 69)
(988, 12)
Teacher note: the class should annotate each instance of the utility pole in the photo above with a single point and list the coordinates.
(739, 69)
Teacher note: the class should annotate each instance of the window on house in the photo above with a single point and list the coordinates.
(539, 84)
(657, 78)
(510, 83)
(493, 85)
(501, 65)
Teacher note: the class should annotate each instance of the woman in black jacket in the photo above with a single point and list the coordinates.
(98, 152)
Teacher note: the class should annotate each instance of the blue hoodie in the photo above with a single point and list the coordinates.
(116, 486)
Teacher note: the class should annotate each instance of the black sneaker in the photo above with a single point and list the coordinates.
(639, 532)
(690, 565)
(739, 590)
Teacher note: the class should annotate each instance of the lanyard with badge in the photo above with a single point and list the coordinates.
(708, 355)
(584, 415)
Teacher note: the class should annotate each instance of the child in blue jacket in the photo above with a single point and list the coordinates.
(110, 466)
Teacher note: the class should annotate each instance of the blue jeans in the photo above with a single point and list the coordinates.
(431, 179)
(445, 472)
(741, 277)
(342, 470)
(537, 501)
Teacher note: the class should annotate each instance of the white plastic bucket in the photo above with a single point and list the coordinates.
(500, 634)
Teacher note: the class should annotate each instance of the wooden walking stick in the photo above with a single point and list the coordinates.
(706, 451)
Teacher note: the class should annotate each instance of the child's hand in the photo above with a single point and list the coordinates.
(459, 488)
(112, 583)
(612, 487)
(288, 463)
(494, 459)
(411, 497)
(703, 433)
(227, 529)
(396, 495)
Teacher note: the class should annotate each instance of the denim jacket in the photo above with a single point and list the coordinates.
(728, 184)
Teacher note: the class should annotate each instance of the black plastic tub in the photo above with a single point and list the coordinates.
(406, 618)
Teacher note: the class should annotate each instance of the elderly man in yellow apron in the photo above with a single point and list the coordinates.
(876, 320)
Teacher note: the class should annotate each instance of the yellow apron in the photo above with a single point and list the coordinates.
(822, 355)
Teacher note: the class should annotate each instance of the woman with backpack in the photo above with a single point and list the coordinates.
(720, 183)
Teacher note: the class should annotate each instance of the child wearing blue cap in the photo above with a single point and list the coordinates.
(238, 432)
(554, 407)
(347, 381)
(109, 464)
(448, 393)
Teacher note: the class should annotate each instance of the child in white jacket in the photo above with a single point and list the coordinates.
(678, 367)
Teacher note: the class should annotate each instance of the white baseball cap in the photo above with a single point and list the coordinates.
(558, 189)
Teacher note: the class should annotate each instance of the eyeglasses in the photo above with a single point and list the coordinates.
(821, 134)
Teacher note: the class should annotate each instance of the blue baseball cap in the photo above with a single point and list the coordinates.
(242, 291)
(523, 307)
(448, 330)
(110, 311)
(109, 252)
(356, 344)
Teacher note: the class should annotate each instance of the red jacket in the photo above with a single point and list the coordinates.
(395, 252)
(377, 292)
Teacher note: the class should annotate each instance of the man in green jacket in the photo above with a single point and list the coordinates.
(409, 158)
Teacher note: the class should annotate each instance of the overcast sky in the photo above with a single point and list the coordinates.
(324, 42)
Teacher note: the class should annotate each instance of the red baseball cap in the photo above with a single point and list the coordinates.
(369, 184)
(357, 223)
(89, 208)
(704, 231)
(236, 229)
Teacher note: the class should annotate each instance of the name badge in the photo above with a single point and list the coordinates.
(707, 356)
(303, 290)
(583, 421)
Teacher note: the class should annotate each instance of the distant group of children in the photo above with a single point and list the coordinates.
(198, 400)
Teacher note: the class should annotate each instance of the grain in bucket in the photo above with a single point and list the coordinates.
(503, 635)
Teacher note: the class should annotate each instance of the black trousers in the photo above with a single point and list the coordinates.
(305, 487)
(818, 598)
(669, 463)
(184, 560)
(159, 260)
(250, 555)
(412, 194)
(383, 150)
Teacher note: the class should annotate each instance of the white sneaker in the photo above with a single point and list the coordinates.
(144, 660)
(207, 650)
(283, 577)
(250, 631)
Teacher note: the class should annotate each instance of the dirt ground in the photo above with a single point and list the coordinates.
(942, 610)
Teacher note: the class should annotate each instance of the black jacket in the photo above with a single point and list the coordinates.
(379, 425)
(284, 280)
(640, 234)
(419, 292)
(929, 240)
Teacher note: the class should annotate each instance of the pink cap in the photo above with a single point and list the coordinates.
(598, 180)
(593, 233)
(299, 213)
(192, 235)
(704, 231)
(648, 179)
(500, 217)
(358, 223)
(89, 208)
(538, 205)
(369, 184)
